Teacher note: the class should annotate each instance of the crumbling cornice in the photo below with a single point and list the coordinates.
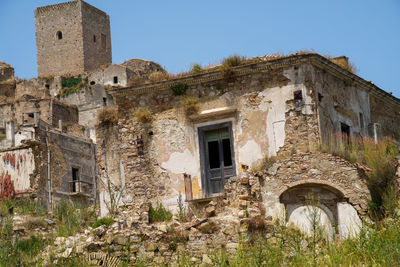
(283, 62)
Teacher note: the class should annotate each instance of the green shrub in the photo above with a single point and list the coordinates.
(107, 221)
(179, 89)
(196, 68)
(159, 214)
(70, 82)
(72, 217)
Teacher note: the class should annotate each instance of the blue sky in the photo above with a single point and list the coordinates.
(177, 33)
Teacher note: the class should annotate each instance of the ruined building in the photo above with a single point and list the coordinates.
(199, 135)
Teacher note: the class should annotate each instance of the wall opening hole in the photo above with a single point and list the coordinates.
(75, 179)
(320, 97)
(31, 115)
(115, 79)
(345, 129)
(59, 35)
(151, 133)
(361, 119)
(94, 38)
(92, 83)
(47, 86)
(297, 95)
(104, 101)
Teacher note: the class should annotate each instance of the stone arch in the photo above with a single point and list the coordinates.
(324, 195)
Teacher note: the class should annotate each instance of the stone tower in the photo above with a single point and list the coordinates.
(71, 38)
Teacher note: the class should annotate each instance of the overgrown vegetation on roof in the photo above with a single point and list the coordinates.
(72, 85)
(233, 61)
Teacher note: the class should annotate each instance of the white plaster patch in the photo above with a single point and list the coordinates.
(250, 153)
(349, 221)
(182, 162)
(303, 217)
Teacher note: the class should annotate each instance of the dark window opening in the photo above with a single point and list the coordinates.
(92, 83)
(226, 146)
(151, 133)
(31, 115)
(104, 101)
(59, 35)
(298, 96)
(47, 86)
(361, 119)
(94, 38)
(115, 79)
(320, 97)
(213, 153)
(75, 179)
(345, 129)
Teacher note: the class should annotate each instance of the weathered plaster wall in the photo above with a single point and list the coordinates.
(340, 101)
(261, 111)
(387, 115)
(20, 164)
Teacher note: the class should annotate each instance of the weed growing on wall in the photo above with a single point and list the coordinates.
(142, 114)
(196, 68)
(108, 116)
(159, 214)
(190, 105)
(179, 89)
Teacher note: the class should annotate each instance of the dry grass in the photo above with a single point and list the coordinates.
(190, 105)
(108, 116)
(159, 76)
(380, 158)
(143, 115)
(233, 61)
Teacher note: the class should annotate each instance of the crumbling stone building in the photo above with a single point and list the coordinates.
(197, 135)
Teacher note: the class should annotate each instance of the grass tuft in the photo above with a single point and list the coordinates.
(108, 116)
(159, 214)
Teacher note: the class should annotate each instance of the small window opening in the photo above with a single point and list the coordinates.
(345, 129)
(104, 101)
(213, 152)
(298, 96)
(115, 79)
(75, 179)
(47, 86)
(361, 120)
(94, 38)
(92, 83)
(59, 35)
(151, 133)
(31, 115)
(320, 97)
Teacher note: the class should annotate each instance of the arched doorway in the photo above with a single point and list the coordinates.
(309, 205)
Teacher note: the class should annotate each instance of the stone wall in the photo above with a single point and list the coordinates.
(7, 80)
(77, 51)
(96, 37)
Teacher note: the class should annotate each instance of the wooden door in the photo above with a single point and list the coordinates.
(218, 159)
